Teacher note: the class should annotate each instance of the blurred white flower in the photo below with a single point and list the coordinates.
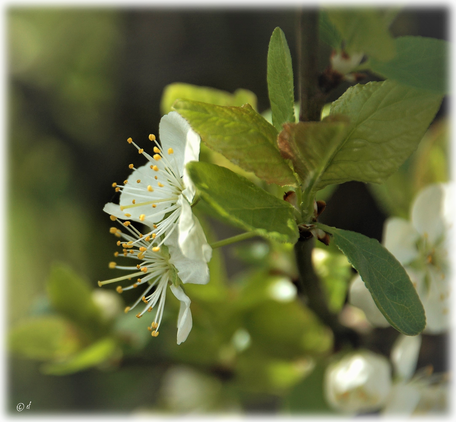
(344, 63)
(157, 270)
(422, 246)
(414, 393)
(359, 382)
(160, 193)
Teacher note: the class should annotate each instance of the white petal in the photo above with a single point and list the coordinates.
(404, 355)
(114, 209)
(360, 297)
(189, 270)
(427, 212)
(402, 400)
(436, 303)
(176, 133)
(192, 239)
(400, 237)
(184, 320)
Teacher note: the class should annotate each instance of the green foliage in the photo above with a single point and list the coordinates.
(183, 91)
(241, 135)
(387, 121)
(93, 355)
(44, 338)
(328, 32)
(386, 279)
(364, 31)
(312, 146)
(280, 80)
(427, 165)
(419, 62)
(243, 203)
(71, 296)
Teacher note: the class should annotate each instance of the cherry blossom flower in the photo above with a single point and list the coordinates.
(157, 270)
(160, 194)
(422, 246)
(359, 382)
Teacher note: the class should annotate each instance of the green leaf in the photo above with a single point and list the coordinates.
(328, 32)
(71, 296)
(44, 338)
(93, 355)
(385, 278)
(280, 80)
(243, 203)
(419, 62)
(364, 31)
(387, 122)
(311, 145)
(204, 94)
(241, 135)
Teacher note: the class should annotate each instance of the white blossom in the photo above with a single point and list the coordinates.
(359, 382)
(422, 246)
(160, 194)
(157, 270)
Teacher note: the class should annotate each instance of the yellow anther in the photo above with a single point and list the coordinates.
(161, 184)
(130, 166)
(138, 315)
(152, 137)
(117, 189)
(135, 285)
(155, 249)
(157, 157)
(154, 235)
(156, 150)
(154, 325)
(113, 218)
(155, 226)
(147, 238)
(126, 223)
(156, 178)
(118, 243)
(144, 269)
(127, 215)
(155, 333)
(149, 188)
(138, 266)
(149, 309)
(150, 329)
(154, 168)
(154, 206)
(170, 151)
(144, 299)
(133, 201)
(127, 309)
(100, 284)
(143, 249)
(140, 151)
(112, 265)
(129, 140)
(114, 185)
(138, 181)
(125, 182)
(140, 255)
(142, 217)
(113, 230)
(119, 289)
(116, 254)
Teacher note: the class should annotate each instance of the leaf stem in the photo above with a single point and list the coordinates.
(233, 239)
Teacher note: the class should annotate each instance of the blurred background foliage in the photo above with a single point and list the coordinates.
(80, 81)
